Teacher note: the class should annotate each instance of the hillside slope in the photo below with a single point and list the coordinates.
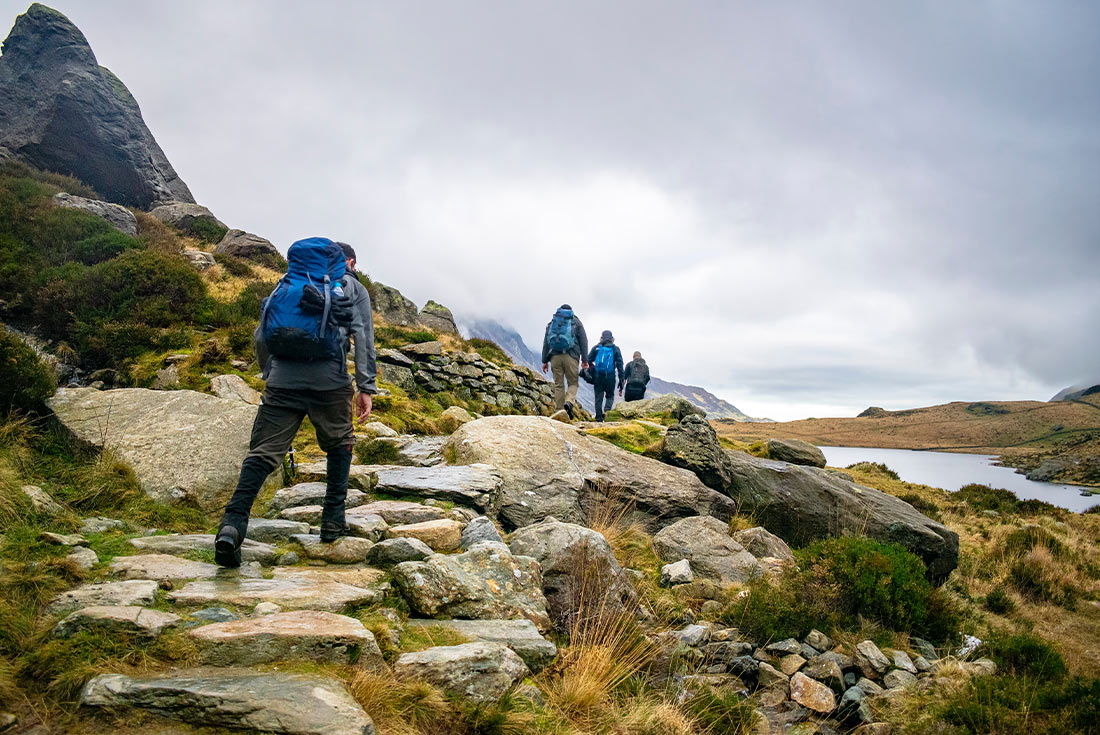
(1024, 433)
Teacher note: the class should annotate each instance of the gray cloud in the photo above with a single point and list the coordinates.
(805, 208)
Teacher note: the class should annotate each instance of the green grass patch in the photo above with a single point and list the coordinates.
(634, 437)
(376, 451)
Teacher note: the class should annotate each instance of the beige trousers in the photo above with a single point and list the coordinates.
(566, 369)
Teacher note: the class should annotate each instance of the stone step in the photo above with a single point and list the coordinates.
(289, 593)
(129, 619)
(398, 512)
(520, 635)
(163, 566)
(129, 592)
(474, 485)
(274, 530)
(440, 535)
(305, 634)
(311, 493)
(182, 544)
(288, 704)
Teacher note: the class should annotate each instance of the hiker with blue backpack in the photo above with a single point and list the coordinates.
(606, 361)
(301, 347)
(564, 345)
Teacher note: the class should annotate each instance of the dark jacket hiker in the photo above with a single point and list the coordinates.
(607, 361)
(301, 346)
(637, 378)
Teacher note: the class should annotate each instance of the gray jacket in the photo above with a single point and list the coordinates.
(329, 374)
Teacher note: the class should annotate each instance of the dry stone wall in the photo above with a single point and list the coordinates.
(426, 367)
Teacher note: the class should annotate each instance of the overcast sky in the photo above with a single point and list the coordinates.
(805, 207)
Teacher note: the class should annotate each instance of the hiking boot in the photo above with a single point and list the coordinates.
(227, 548)
(330, 532)
(569, 410)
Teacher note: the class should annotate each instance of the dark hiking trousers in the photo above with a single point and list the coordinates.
(605, 394)
(634, 392)
(277, 421)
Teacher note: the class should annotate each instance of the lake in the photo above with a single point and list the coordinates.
(951, 471)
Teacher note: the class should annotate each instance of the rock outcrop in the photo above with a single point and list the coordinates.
(117, 216)
(795, 451)
(553, 469)
(61, 111)
(180, 444)
(394, 308)
(241, 244)
(438, 317)
(188, 217)
(480, 672)
(801, 504)
(708, 547)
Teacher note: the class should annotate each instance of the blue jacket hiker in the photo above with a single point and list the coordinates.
(301, 347)
(564, 345)
(606, 361)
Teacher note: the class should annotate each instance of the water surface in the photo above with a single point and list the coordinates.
(951, 471)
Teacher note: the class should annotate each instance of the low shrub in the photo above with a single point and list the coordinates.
(207, 231)
(376, 451)
(1040, 577)
(875, 467)
(25, 381)
(234, 266)
(1033, 507)
(1093, 509)
(983, 497)
(778, 610)
(926, 507)
(998, 601)
(1026, 654)
(1023, 540)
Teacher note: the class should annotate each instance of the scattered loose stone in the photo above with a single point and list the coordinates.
(272, 702)
(485, 582)
(921, 664)
(924, 648)
(898, 679)
(377, 428)
(266, 608)
(311, 493)
(181, 544)
(161, 566)
(288, 559)
(761, 543)
(705, 542)
(520, 635)
(481, 671)
(981, 667)
(276, 636)
(853, 705)
(827, 672)
(100, 524)
(480, 529)
(870, 660)
(59, 539)
(290, 593)
(441, 535)
(345, 550)
(902, 661)
(678, 572)
(83, 557)
(788, 645)
(769, 676)
(870, 688)
(396, 550)
(812, 694)
(41, 501)
(274, 530)
(130, 592)
(398, 512)
(233, 387)
(819, 640)
(129, 619)
(371, 527)
(791, 663)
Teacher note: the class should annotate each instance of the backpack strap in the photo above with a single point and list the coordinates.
(327, 309)
(267, 302)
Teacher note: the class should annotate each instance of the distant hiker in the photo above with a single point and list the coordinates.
(563, 346)
(606, 361)
(301, 346)
(637, 378)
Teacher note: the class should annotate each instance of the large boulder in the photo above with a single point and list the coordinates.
(438, 317)
(394, 308)
(117, 216)
(485, 582)
(188, 217)
(61, 111)
(666, 405)
(553, 469)
(256, 701)
(241, 244)
(182, 445)
(706, 543)
(578, 569)
(795, 451)
(801, 504)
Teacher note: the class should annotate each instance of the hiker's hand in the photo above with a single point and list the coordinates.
(362, 406)
(584, 365)
(544, 366)
(620, 392)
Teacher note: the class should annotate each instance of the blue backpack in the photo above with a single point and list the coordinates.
(560, 335)
(297, 330)
(605, 360)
